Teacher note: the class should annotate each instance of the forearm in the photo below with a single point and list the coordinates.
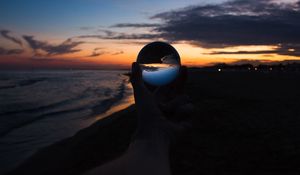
(153, 153)
(147, 157)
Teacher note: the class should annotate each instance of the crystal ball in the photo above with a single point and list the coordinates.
(160, 63)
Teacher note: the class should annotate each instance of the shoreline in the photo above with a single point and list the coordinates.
(126, 101)
(58, 154)
(106, 118)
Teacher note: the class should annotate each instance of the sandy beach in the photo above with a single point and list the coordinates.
(243, 123)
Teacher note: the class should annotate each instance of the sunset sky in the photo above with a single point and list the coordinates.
(110, 33)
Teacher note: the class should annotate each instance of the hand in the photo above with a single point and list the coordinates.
(167, 102)
(170, 99)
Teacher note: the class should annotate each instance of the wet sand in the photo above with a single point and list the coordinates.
(244, 123)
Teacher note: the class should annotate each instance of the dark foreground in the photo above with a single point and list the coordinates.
(244, 123)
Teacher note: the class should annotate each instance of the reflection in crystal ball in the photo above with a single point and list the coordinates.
(160, 63)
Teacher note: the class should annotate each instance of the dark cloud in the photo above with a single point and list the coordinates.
(108, 32)
(247, 52)
(5, 34)
(135, 42)
(91, 36)
(120, 36)
(133, 36)
(112, 35)
(46, 59)
(252, 62)
(10, 51)
(99, 51)
(134, 25)
(68, 46)
(289, 49)
(234, 23)
(86, 28)
(118, 53)
(259, 62)
(96, 52)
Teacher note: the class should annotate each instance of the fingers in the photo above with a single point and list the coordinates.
(178, 107)
(177, 87)
(183, 74)
(135, 67)
(182, 77)
(136, 74)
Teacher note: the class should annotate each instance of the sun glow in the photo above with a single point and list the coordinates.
(121, 53)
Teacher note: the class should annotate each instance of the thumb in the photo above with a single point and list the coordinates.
(136, 74)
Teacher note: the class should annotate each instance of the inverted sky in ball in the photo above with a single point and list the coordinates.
(160, 63)
(161, 76)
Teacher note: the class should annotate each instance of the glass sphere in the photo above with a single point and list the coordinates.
(160, 63)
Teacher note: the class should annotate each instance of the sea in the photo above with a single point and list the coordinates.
(39, 108)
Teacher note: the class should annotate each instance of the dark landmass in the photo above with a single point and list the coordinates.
(245, 122)
(271, 67)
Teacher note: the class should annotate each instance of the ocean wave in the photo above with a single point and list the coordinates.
(44, 108)
(22, 83)
(49, 110)
(108, 103)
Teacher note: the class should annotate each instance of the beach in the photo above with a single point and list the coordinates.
(39, 108)
(244, 122)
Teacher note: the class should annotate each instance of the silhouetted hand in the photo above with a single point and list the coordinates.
(172, 100)
(167, 102)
